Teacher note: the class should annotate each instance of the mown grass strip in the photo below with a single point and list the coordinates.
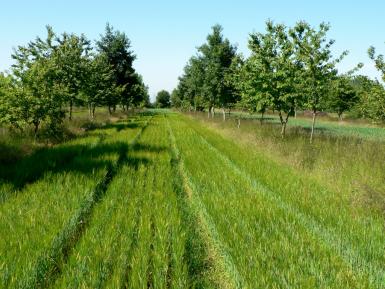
(221, 268)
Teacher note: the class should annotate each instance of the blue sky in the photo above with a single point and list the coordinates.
(164, 34)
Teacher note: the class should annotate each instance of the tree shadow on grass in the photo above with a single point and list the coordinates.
(119, 126)
(79, 158)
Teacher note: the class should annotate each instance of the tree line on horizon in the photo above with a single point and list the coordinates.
(289, 69)
(50, 76)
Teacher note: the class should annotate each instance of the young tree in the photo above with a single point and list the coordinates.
(272, 71)
(371, 98)
(319, 66)
(343, 96)
(163, 99)
(39, 95)
(116, 47)
(70, 57)
(216, 57)
(101, 85)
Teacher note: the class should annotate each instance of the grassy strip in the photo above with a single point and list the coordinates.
(329, 214)
(325, 234)
(127, 243)
(267, 243)
(49, 265)
(218, 266)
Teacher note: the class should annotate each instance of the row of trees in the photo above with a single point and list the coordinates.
(289, 69)
(50, 76)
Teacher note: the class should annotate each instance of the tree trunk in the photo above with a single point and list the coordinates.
(283, 123)
(239, 122)
(340, 116)
(224, 114)
(295, 113)
(312, 126)
(93, 112)
(71, 104)
(109, 109)
(90, 110)
(212, 112)
(114, 108)
(283, 129)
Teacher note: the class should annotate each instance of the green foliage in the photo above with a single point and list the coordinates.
(39, 94)
(163, 99)
(7, 97)
(343, 96)
(62, 71)
(204, 83)
(115, 46)
(371, 99)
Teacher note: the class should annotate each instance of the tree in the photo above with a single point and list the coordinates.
(319, 66)
(343, 96)
(70, 58)
(39, 95)
(378, 60)
(271, 72)
(7, 100)
(371, 98)
(163, 99)
(101, 85)
(116, 47)
(216, 57)
(175, 98)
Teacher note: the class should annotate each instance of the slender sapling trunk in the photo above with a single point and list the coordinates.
(312, 126)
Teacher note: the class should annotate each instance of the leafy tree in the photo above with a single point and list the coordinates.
(319, 66)
(175, 98)
(116, 47)
(371, 98)
(138, 93)
(101, 84)
(378, 60)
(216, 57)
(39, 95)
(343, 95)
(70, 57)
(163, 99)
(6, 98)
(272, 71)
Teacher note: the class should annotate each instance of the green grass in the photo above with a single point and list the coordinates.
(297, 231)
(163, 200)
(325, 125)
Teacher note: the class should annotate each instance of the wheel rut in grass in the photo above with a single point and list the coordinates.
(50, 264)
(327, 236)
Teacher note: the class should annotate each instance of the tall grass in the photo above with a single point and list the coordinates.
(351, 166)
(40, 215)
(278, 228)
(136, 238)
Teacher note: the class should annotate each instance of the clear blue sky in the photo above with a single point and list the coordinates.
(164, 34)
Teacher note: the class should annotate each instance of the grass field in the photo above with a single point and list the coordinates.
(165, 200)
